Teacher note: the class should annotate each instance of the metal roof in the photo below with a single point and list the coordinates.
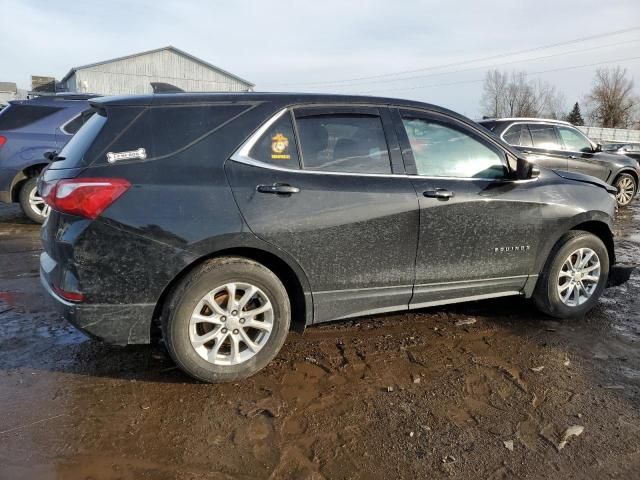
(8, 87)
(169, 47)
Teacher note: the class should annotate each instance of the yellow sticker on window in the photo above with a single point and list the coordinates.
(280, 147)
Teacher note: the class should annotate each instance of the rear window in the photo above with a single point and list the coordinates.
(20, 115)
(72, 126)
(73, 152)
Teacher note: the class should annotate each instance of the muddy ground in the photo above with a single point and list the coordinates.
(399, 396)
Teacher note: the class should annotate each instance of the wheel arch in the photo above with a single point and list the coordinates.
(24, 175)
(628, 171)
(597, 223)
(292, 278)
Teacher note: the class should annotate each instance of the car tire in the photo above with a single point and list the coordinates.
(218, 348)
(627, 187)
(555, 284)
(32, 204)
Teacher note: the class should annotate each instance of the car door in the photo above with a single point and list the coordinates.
(546, 148)
(478, 229)
(329, 195)
(581, 155)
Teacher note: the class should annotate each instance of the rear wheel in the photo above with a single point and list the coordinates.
(574, 277)
(227, 320)
(32, 204)
(627, 187)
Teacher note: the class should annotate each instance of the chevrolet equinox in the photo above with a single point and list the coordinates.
(223, 220)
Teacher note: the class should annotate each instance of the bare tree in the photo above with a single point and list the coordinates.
(494, 91)
(612, 102)
(514, 95)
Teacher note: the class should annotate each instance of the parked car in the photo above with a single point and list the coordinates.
(226, 219)
(29, 129)
(560, 145)
(629, 149)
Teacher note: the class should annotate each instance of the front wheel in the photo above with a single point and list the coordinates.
(32, 203)
(226, 320)
(574, 277)
(627, 187)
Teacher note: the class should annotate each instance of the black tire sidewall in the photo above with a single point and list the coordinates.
(25, 190)
(554, 304)
(193, 289)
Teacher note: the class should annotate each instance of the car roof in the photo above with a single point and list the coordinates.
(289, 98)
(525, 119)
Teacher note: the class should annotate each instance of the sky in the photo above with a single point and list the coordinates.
(323, 46)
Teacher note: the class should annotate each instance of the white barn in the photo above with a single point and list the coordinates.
(134, 74)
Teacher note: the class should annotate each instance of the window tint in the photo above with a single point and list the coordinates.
(278, 145)
(544, 136)
(74, 125)
(573, 140)
(512, 136)
(442, 150)
(18, 115)
(344, 143)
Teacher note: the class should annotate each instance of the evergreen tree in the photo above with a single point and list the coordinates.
(575, 117)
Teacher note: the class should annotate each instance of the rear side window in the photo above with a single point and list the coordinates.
(512, 137)
(343, 143)
(544, 136)
(518, 135)
(278, 145)
(19, 115)
(74, 151)
(72, 126)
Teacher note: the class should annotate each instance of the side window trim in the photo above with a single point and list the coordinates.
(63, 127)
(407, 152)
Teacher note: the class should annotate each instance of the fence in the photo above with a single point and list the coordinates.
(611, 135)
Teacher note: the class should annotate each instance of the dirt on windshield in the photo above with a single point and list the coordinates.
(488, 390)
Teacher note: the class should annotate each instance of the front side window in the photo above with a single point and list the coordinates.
(544, 136)
(573, 140)
(442, 150)
(343, 143)
(277, 145)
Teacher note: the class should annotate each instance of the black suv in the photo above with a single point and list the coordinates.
(226, 219)
(560, 145)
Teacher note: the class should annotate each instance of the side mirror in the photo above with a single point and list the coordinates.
(598, 148)
(525, 170)
(50, 155)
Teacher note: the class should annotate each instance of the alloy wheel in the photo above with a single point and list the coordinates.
(579, 277)
(231, 323)
(626, 190)
(37, 203)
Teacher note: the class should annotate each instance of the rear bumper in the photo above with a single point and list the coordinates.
(115, 324)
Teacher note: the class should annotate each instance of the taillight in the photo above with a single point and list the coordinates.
(71, 296)
(86, 197)
(3, 140)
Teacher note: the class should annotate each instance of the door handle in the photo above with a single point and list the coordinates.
(527, 151)
(278, 188)
(441, 193)
(572, 156)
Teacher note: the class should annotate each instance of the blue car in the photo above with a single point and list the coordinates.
(28, 130)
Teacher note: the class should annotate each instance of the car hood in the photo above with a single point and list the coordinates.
(579, 177)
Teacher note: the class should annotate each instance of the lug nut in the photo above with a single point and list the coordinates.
(223, 319)
(236, 331)
(235, 312)
(224, 330)
(242, 320)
